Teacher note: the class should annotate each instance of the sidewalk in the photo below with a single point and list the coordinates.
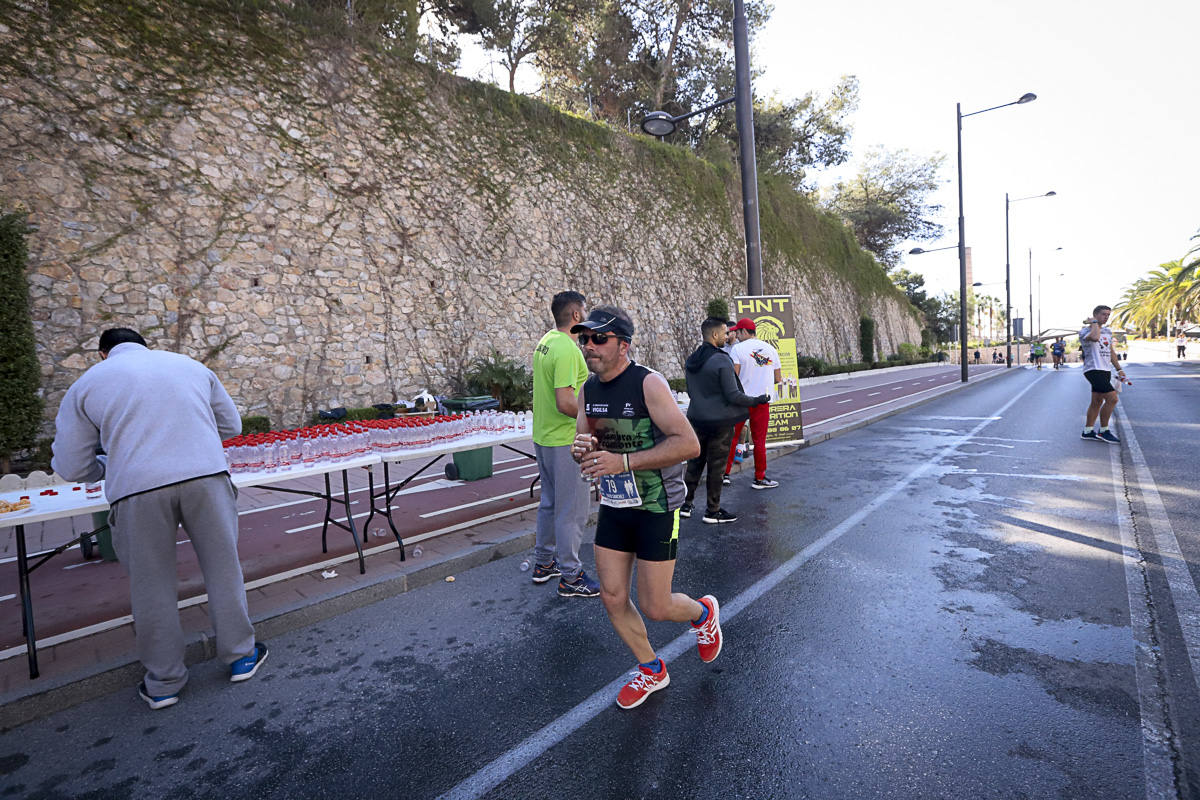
(93, 665)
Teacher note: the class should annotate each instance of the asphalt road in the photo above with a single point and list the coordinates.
(947, 603)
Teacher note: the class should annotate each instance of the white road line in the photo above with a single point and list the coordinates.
(851, 400)
(1156, 755)
(6, 597)
(452, 509)
(897, 388)
(511, 762)
(827, 420)
(973, 472)
(530, 475)
(1175, 566)
(872, 394)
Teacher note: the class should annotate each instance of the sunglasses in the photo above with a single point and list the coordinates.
(598, 338)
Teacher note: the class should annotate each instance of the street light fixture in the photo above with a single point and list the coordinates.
(916, 251)
(1007, 269)
(1028, 97)
(660, 123)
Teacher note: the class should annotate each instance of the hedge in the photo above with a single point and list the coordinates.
(20, 375)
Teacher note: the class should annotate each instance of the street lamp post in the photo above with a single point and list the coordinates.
(1007, 275)
(1028, 97)
(660, 123)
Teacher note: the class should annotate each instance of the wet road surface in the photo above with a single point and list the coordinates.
(937, 605)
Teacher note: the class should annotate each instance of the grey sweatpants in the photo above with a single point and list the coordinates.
(144, 528)
(562, 510)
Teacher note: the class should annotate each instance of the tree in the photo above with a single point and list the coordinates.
(519, 29)
(887, 201)
(21, 412)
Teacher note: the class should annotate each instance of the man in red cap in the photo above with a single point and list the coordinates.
(757, 365)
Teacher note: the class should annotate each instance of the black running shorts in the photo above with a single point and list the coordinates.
(652, 536)
(1101, 381)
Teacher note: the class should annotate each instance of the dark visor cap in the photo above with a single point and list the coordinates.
(600, 322)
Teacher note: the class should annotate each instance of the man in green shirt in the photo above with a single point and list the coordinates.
(558, 373)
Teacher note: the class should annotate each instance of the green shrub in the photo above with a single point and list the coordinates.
(866, 338)
(894, 357)
(717, 307)
(504, 378)
(677, 384)
(20, 375)
(811, 367)
(351, 415)
(256, 424)
(908, 351)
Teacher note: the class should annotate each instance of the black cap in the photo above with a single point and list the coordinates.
(603, 322)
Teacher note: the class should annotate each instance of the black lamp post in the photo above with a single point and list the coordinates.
(660, 123)
(1007, 282)
(1028, 97)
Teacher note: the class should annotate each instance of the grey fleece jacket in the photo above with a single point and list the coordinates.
(159, 416)
(717, 399)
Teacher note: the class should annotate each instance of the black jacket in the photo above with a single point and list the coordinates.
(716, 393)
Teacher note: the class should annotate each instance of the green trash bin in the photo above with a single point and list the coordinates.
(471, 465)
(103, 535)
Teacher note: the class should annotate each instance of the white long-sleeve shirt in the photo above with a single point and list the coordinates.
(159, 416)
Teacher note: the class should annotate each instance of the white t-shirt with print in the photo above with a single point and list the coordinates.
(758, 362)
(1096, 355)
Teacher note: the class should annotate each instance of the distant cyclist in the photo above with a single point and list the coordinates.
(1058, 350)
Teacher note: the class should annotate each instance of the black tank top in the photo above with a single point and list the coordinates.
(619, 419)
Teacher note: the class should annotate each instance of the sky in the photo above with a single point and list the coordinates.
(1115, 131)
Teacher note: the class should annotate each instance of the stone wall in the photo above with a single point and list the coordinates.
(330, 227)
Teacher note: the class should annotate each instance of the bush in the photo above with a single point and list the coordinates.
(20, 375)
(908, 351)
(504, 378)
(351, 415)
(811, 367)
(256, 424)
(866, 338)
(717, 307)
(677, 384)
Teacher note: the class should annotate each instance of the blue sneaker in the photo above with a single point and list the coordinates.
(1109, 437)
(583, 586)
(244, 668)
(1090, 435)
(542, 574)
(157, 702)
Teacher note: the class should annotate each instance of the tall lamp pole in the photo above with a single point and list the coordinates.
(1007, 275)
(1028, 97)
(660, 123)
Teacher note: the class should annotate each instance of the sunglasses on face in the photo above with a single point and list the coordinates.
(598, 338)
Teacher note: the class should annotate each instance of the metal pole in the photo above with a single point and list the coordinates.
(962, 253)
(1031, 295)
(1007, 290)
(745, 126)
(1040, 329)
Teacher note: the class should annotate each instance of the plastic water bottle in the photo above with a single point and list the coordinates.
(525, 565)
(416, 552)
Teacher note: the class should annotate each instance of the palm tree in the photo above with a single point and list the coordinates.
(1167, 296)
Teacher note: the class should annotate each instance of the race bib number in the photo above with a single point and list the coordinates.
(618, 491)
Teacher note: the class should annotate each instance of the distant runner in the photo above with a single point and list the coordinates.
(1038, 351)
(1058, 350)
(1096, 341)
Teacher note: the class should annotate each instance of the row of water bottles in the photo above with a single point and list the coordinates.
(279, 451)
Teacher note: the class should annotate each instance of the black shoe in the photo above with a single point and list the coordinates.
(541, 574)
(582, 586)
(1108, 436)
(1090, 435)
(685, 510)
(718, 516)
(726, 482)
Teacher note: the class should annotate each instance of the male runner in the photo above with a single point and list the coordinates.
(1038, 351)
(632, 440)
(1096, 340)
(1058, 350)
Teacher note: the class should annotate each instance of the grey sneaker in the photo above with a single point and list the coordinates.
(726, 482)
(764, 483)
(1108, 436)
(686, 510)
(718, 516)
(1090, 435)
(583, 586)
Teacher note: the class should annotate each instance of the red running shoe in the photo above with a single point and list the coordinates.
(708, 633)
(644, 684)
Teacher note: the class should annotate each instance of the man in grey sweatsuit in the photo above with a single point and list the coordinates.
(717, 405)
(160, 417)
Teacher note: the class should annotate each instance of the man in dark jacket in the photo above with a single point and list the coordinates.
(718, 404)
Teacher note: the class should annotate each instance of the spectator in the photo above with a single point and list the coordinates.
(160, 417)
(558, 372)
(757, 364)
(718, 404)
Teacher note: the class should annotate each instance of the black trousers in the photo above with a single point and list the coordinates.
(714, 449)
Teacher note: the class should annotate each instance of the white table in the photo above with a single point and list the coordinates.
(72, 500)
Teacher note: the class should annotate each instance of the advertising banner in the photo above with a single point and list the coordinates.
(775, 324)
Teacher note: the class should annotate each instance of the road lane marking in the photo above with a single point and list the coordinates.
(511, 762)
(851, 400)
(1156, 753)
(1175, 566)
(6, 597)
(452, 509)
(1018, 475)
(872, 394)
(877, 405)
